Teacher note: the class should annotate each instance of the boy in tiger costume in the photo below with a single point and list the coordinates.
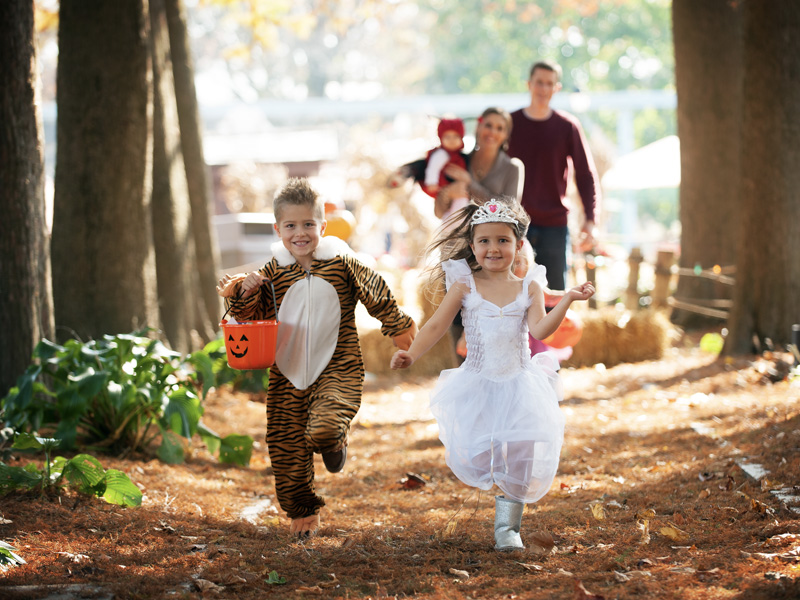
(316, 383)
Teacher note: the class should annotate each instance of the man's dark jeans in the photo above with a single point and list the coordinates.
(550, 247)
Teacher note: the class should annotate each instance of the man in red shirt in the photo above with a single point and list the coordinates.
(548, 142)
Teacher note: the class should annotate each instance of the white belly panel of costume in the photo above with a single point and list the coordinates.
(309, 317)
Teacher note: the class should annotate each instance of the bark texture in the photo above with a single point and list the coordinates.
(708, 76)
(103, 259)
(26, 315)
(171, 211)
(206, 247)
(767, 291)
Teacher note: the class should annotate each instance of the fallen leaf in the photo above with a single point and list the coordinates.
(704, 494)
(541, 542)
(758, 506)
(598, 511)
(450, 528)
(684, 570)
(412, 481)
(646, 514)
(673, 533)
(204, 585)
(581, 593)
(531, 566)
(463, 575)
(644, 525)
(312, 589)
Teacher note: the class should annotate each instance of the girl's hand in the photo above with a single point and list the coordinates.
(401, 360)
(582, 292)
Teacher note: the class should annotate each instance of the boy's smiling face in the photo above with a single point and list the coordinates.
(300, 231)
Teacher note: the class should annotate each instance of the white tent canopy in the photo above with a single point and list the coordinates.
(657, 165)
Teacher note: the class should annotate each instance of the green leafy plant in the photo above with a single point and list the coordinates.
(274, 579)
(212, 369)
(9, 558)
(82, 472)
(116, 394)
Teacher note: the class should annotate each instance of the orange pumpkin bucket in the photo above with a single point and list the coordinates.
(251, 345)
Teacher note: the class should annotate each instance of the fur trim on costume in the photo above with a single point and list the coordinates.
(329, 247)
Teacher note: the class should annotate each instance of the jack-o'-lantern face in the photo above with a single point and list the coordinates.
(241, 346)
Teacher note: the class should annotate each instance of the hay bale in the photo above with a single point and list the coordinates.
(378, 350)
(611, 336)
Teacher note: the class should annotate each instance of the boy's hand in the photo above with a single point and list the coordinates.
(401, 360)
(226, 285)
(251, 283)
(582, 292)
(403, 341)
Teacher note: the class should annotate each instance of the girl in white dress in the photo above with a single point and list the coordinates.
(498, 413)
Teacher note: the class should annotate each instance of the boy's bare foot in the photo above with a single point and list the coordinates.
(305, 526)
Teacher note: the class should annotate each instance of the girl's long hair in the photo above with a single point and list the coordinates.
(452, 242)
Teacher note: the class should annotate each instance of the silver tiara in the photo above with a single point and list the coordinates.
(493, 212)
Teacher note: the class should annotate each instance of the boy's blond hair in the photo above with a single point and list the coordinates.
(298, 192)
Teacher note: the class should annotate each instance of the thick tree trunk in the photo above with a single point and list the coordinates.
(103, 260)
(708, 77)
(767, 291)
(197, 175)
(171, 211)
(26, 315)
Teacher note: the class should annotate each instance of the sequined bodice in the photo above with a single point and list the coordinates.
(497, 337)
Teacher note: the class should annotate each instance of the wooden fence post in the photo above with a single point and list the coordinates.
(631, 297)
(664, 262)
(591, 276)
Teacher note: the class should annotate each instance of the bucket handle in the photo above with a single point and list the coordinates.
(239, 297)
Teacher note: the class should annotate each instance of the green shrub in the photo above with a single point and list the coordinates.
(84, 473)
(116, 394)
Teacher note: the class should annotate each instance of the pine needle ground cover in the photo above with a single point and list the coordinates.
(652, 500)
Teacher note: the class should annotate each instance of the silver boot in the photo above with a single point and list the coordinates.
(507, 521)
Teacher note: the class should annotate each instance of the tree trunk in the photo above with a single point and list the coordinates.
(197, 175)
(767, 289)
(708, 78)
(171, 211)
(26, 315)
(103, 259)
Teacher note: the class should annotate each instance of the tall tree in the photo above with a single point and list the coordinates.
(171, 211)
(708, 78)
(27, 313)
(206, 249)
(767, 290)
(103, 260)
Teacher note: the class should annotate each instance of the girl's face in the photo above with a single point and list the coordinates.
(495, 246)
(492, 131)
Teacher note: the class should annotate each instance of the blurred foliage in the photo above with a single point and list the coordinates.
(488, 46)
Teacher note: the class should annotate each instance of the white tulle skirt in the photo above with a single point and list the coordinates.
(506, 433)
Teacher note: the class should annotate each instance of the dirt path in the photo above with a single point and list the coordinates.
(650, 502)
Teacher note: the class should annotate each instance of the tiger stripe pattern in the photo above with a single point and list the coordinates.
(317, 419)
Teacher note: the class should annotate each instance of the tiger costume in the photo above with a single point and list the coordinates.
(315, 386)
